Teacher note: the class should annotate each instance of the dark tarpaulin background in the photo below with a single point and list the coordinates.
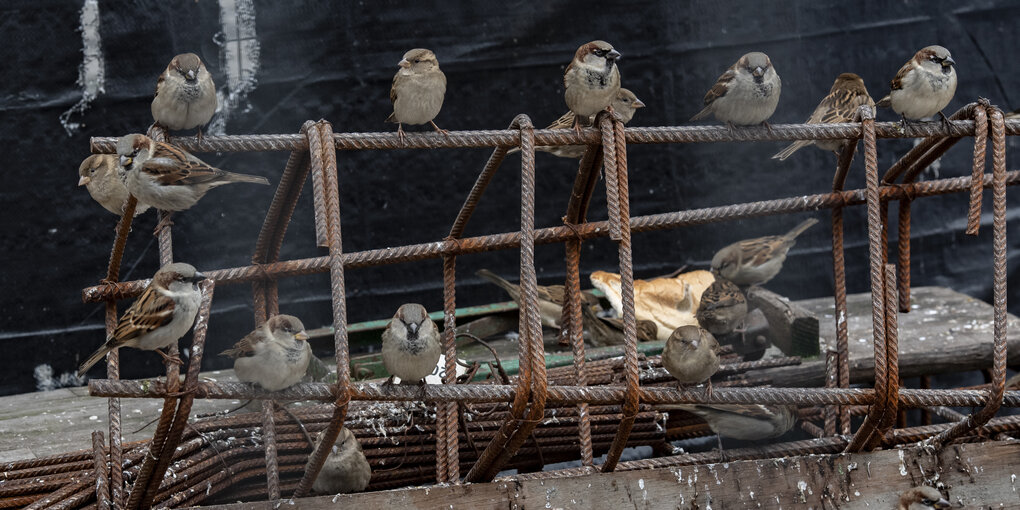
(335, 61)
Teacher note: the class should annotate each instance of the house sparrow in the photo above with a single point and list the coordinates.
(418, 90)
(99, 174)
(550, 298)
(746, 94)
(923, 497)
(162, 314)
(691, 355)
(846, 95)
(346, 469)
(274, 355)
(750, 422)
(756, 261)
(410, 344)
(591, 81)
(166, 177)
(924, 85)
(625, 104)
(647, 331)
(185, 95)
(723, 306)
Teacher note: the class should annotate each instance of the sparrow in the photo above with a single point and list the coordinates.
(99, 174)
(591, 81)
(167, 177)
(750, 422)
(756, 261)
(410, 344)
(924, 85)
(185, 95)
(846, 95)
(691, 355)
(1015, 114)
(550, 298)
(159, 317)
(923, 497)
(723, 307)
(746, 94)
(417, 92)
(275, 355)
(647, 331)
(625, 104)
(346, 469)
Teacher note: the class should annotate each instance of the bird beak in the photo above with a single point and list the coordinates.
(301, 335)
(404, 63)
(758, 72)
(125, 161)
(198, 276)
(948, 62)
(190, 75)
(413, 327)
(942, 503)
(84, 180)
(638, 103)
(613, 54)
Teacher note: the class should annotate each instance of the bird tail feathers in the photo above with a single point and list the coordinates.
(93, 359)
(799, 229)
(790, 149)
(885, 102)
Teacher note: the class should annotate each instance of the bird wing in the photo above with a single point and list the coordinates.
(245, 347)
(839, 106)
(159, 83)
(152, 310)
(897, 82)
(721, 86)
(171, 165)
(566, 121)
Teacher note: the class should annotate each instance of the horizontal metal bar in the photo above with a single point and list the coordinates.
(415, 252)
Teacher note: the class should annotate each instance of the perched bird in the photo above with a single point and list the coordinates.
(185, 95)
(723, 307)
(921, 498)
(346, 469)
(550, 297)
(99, 174)
(166, 177)
(691, 355)
(418, 91)
(924, 85)
(609, 330)
(274, 355)
(647, 331)
(410, 344)
(746, 94)
(846, 95)
(162, 314)
(625, 104)
(591, 81)
(751, 422)
(756, 261)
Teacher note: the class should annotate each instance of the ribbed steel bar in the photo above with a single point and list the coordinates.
(924, 146)
(978, 171)
(102, 471)
(478, 189)
(892, 354)
(269, 443)
(451, 409)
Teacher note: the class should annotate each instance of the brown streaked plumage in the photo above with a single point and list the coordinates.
(847, 94)
(275, 355)
(550, 297)
(924, 85)
(625, 105)
(756, 261)
(722, 307)
(746, 94)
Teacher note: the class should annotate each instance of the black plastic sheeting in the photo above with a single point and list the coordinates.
(335, 61)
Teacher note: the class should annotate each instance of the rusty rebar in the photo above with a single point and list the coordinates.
(269, 443)
(978, 171)
(450, 410)
(102, 471)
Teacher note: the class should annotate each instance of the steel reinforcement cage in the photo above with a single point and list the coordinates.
(314, 151)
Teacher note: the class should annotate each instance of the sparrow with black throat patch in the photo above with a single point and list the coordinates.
(417, 92)
(847, 94)
(924, 85)
(185, 95)
(746, 94)
(591, 81)
(410, 344)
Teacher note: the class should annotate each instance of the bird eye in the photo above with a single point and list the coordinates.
(600, 53)
(417, 61)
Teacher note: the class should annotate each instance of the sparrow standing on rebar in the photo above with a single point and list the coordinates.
(99, 173)
(625, 104)
(746, 94)
(275, 355)
(346, 469)
(591, 81)
(847, 94)
(691, 355)
(185, 95)
(162, 314)
(418, 91)
(410, 344)
(756, 261)
(924, 85)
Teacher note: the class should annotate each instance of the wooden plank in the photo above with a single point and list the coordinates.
(975, 474)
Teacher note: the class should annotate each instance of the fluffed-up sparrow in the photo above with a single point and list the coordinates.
(163, 313)
(691, 355)
(346, 469)
(99, 174)
(924, 85)
(550, 297)
(418, 91)
(922, 498)
(746, 94)
(591, 81)
(275, 355)
(756, 261)
(410, 344)
(185, 94)
(167, 177)
(723, 307)
(625, 105)
(847, 94)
